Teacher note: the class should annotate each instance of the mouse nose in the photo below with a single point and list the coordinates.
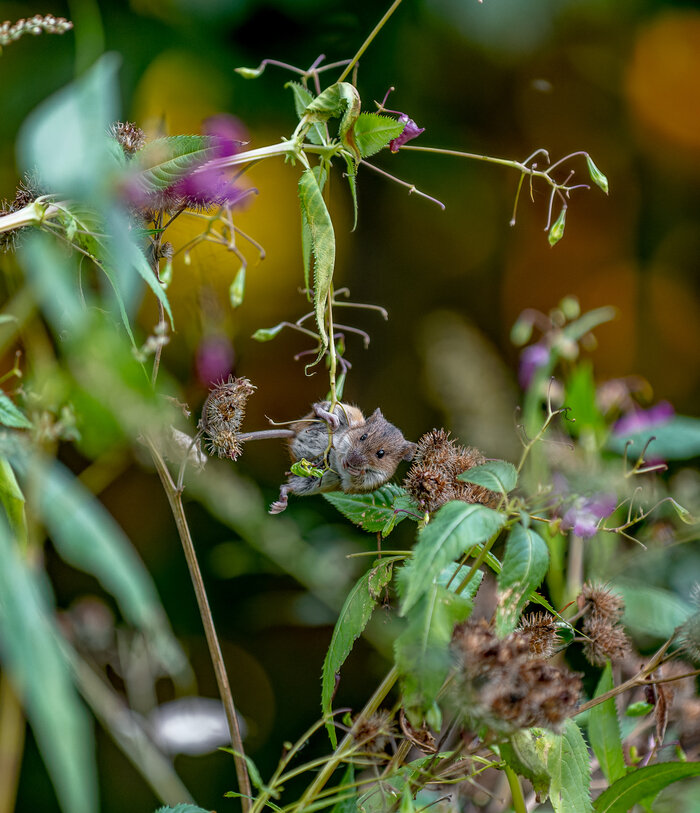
(354, 462)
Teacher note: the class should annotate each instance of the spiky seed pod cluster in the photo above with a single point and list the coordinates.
(129, 137)
(432, 479)
(374, 733)
(603, 610)
(499, 683)
(27, 192)
(688, 637)
(540, 632)
(222, 416)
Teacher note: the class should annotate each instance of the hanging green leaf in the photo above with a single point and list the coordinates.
(237, 290)
(352, 620)
(524, 566)
(556, 232)
(322, 240)
(11, 416)
(422, 652)
(604, 731)
(496, 475)
(570, 769)
(373, 132)
(340, 100)
(302, 99)
(12, 500)
(642, 784)
(596, 175)
(454, 529)
(32, 658)
(370, 511)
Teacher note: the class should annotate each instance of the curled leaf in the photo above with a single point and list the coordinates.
(596, 175)
(557, 230)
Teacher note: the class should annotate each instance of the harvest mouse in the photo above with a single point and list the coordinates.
(363, 453)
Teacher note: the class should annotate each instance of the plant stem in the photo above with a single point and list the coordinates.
(12, 728)
(348, 742)
(33, 214)
(515, 790)
(333, 359)
(365, 45)
(175, 500)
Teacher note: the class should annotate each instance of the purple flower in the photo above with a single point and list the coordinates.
(640, 419)
(214, 360)
(531, 359)
(227, 133)
(586, 512)
(206, 186)
(410, 131)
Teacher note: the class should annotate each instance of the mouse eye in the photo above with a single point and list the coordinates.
(380, 453)
(364, 437)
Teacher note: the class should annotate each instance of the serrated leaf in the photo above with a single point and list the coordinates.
(266, 334)
(351, 175)
(641, 784)
(237, 290)
(353, 618)
(11, 416)
(604, 731)
(30, 647)
(524, 566)
(317, 219)
(496, 475)
(165, 161)
(556, 232)
(12, 500)
(302, 99)
(340, 100)
(422, 653)
(569, 767)
(373, 132)
(454, 529)
(596, 175)
(370, 511)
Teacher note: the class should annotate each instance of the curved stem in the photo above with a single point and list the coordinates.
(175, 500)
(365, 45)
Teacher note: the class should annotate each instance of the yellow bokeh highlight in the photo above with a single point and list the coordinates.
(662, 78)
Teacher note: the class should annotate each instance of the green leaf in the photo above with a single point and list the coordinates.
(370, 511)
(237, 289)
(651, 610)
(639, 709)
(604, 731)
(524, 566)
(340, 100)
(12, 500)
(266, 334)
(167, 160)
(581, 397)
(422, 652)
(322, 240)
(30, 648)
(643, 783)
(496, 475)
(347, 804)
(679, 439)
(596, 175)
(302, 99)
(556, 232)
(373, 132)
(352, 620)
(253, 771)
(11, 416)
(453, 575)
(454, 529)
(569, 767)
(351, 175)
(526, 753)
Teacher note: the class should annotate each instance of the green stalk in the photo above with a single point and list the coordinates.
(365, 45)
(515, 790)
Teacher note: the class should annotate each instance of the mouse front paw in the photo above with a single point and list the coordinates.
(332, 420)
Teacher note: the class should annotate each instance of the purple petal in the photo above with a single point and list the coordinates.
(641, 419)
(583, 517)
(207, 187)
(531, 359)
(227, 132)
(214, 360)
(410, 131)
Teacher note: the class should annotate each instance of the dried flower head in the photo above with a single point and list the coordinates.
(374, 732)
(432, 479)
(222, 415)
(606, 640)
(129, 137)
(540, 632)
(688, 637)
(601, 601)
(27, 192)
(499, 683)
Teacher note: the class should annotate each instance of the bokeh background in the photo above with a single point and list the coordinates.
(503, 78)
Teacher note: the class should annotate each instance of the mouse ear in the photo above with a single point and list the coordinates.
(409, 451)
(377, 413)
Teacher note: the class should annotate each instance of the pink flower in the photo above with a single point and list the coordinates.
(410, 131)
(586, 512)
(531, 359)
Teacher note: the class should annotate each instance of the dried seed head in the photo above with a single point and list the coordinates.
(373, 734)
(540, 632)
(607, 641)
(222, 415)
(435, 448)
(600, 601)
(130, 137)
(430, 486)
(688, 637)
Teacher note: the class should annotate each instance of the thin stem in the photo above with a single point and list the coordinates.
(477, 562)
(515, 790)
(365, 45)
(412, 189)
(333, 359)
(175, 500)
